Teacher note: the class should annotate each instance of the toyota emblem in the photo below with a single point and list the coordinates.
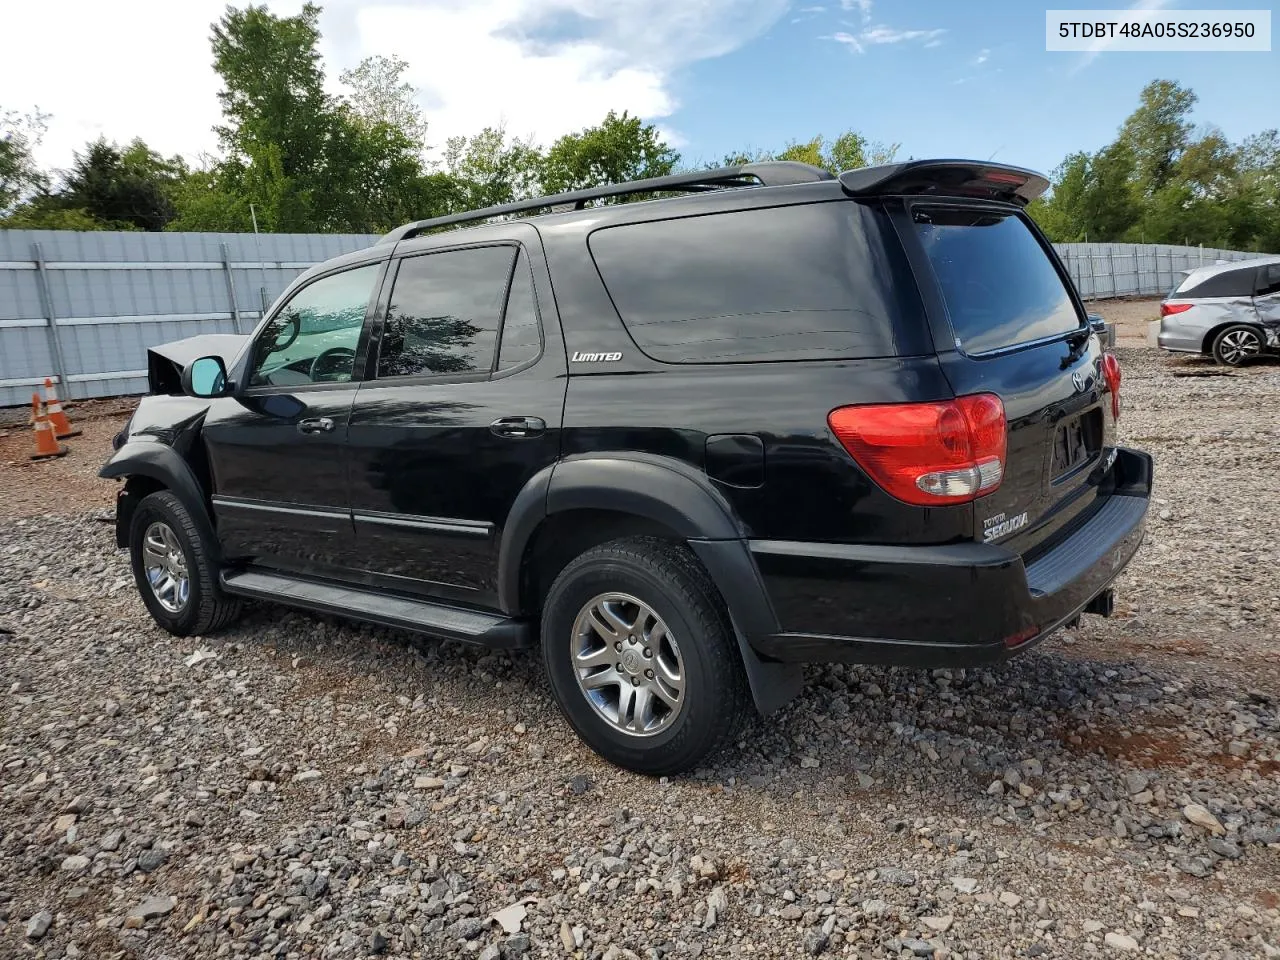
(1078, 378)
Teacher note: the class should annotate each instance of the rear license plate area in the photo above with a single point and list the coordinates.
(1076, 442)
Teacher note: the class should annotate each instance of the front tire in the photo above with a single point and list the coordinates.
(172, 566)
(642, 658)
(1237, 345)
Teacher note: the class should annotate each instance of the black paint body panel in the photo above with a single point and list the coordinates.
(417, 492)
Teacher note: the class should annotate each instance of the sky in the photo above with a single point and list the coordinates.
(937, 77)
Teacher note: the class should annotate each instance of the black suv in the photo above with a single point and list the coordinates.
(766, 417)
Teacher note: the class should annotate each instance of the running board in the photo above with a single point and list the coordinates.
(420, 616)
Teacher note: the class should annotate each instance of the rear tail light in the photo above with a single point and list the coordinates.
(1111, 373)
(1167, 309)
(928, 454)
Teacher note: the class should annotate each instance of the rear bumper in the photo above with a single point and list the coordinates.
(954, 605)
(1180, 336)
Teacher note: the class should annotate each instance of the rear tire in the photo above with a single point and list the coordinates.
(172, 566)
(679, 692)
(1237, 345)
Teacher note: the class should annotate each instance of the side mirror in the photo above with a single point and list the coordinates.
(1098, 324)
(206, 377)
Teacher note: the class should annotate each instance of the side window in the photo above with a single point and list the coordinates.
(444, 312)
(521, 333)
(1230, 283)
(821, 281)
(1269, 281)
(313, 337)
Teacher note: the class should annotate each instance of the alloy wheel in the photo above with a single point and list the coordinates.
(628, 664)
(166, 567)
(1239, 345)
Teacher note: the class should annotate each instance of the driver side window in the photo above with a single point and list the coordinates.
(313, 337)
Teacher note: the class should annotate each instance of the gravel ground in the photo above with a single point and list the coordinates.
(297, 786)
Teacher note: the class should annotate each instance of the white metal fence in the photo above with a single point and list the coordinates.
(1135, 269)
(84, 307)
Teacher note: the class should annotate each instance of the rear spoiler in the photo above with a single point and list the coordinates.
(947, 178)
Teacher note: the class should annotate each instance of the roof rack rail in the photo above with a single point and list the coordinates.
(770, 174)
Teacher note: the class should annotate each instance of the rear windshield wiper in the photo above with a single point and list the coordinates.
(1077, 340)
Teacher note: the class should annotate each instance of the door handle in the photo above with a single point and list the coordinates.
(517, 427)
(315, 425)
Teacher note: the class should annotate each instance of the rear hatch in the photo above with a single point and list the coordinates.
(1008, 323)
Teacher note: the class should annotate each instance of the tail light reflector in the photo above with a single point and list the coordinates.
(1021, 637)
(1170, 308)
(928, 454)
(1111, 373)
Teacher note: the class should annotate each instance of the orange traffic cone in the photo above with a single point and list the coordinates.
(57, 419)
(47, 445)
(51, 394)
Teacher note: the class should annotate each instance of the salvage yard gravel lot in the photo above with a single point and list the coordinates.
(304, 787)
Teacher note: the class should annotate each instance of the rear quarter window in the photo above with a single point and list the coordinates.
(820, 281)
(1229, 283)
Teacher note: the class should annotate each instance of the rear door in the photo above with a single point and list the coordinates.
(464, 406)
(1007, 321)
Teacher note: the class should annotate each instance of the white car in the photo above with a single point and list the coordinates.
(1229, 311)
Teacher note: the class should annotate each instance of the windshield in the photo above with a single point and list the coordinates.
(1000, 287)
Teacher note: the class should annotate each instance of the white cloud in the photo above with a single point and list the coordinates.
(542, 67)
(862, 5)
(983, 56)
(881, 35)
(846, 38)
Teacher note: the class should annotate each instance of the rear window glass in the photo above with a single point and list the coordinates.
(1000, 287)
(821, 281)
(1230, 283)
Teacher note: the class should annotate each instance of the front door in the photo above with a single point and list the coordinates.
(465, 408)
(277, 447)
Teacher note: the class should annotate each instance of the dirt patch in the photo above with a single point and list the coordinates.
(65, 485)
(1142, 749)
(1130, 315)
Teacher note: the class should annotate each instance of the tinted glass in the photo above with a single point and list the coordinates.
(816, 282)
(1000, 287)
(1231, 283)
(313, 338)
(521, 335)
(1269, 281)
(444, 312)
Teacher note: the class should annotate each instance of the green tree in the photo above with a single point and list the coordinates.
(203, 201)
(848, 151)
(127, 189)
(20, 134)
(620, 148)
(489, 169)
(306, 160)
(1158, 131)
(379, 95)
(278, 119)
